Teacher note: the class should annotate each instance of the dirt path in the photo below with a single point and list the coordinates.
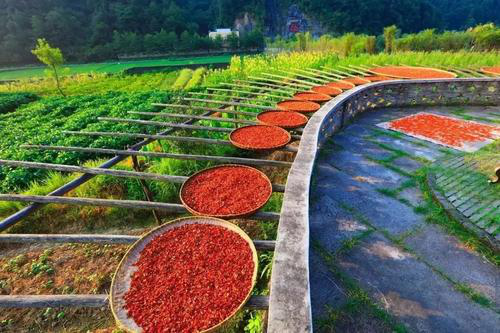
(377, 264)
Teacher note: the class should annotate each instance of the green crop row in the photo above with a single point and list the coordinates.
(183, 78)
(10, 102)
(42, 122)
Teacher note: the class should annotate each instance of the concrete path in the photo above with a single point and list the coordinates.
(376, 264)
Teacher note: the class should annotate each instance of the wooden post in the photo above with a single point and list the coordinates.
(147, 192)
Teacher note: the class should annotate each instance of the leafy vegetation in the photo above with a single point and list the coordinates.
(10, 102)
(183, 78)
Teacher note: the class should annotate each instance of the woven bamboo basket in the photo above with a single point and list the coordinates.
(312, 97)
(304, 119)
(247, 147)
(380, 71)
(226, 216)
(332, 91)
(123, 275)
(292, 105)
(495, 70)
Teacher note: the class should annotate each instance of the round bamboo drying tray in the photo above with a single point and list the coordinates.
(270, 147)
(293, 105)
(439, 73)
(377, 78)
(341, 84)
(493, 70)
(286, 113)
(226, 216)
(356, 80)
(312, 97)
(121, 281)
(331, 91)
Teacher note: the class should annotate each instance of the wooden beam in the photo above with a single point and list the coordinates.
(153, 136)
(176, 115)
(219, 159)
(258, 303)
(132, 204)
(89, 301)
(284, 89)
(280, 83)
(164, 124)
(262, 245)
(354, 70)
(204, 108)
(234, 98)
(327, 74)
(226, 103)
(53, 301)
(96, 171)
(288, 148)
(322, 81)
(297, 73)
(300, 83)
(247, 92)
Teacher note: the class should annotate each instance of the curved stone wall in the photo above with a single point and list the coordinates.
(290, 305)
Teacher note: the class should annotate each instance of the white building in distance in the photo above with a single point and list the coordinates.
(224, 33)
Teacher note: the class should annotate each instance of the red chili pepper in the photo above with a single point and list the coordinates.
(226, 190)
(412, 72)
(190, 279)
(285, 119)
(260, 137)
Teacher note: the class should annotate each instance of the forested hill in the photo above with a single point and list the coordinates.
(97, 29)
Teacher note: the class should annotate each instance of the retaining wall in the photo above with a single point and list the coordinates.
(290, 303)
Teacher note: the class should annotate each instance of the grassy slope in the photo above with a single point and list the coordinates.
(111, 67)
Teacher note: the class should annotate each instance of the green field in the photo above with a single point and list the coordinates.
(112, 67)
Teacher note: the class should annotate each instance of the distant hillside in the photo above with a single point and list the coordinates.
(97, 29)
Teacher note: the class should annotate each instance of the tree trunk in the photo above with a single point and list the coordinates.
(57, 80)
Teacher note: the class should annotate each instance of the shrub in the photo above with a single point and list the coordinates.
(197, 78)
(183, 78)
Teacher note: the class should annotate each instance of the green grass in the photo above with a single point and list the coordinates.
(111, 67)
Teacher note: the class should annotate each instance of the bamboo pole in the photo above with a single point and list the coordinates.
(326, 74)
(164, 124)
(346, 75)
(281, 83)
(254, 93)
(152, 136)
(261, 245)
(95, 171)
(52, 301)
(335, 76)
(108, 172)
(354, 70)
(257, 87)
(90, 301)
(238, 98)
(364, 69)
(308, 77)
(299, 83)
(285, 89)
(226, 103)
(133, 204)
(220, 159)
(322, 81)
(185, 127)
(172, 138)
(203, 108)
(175, 115)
